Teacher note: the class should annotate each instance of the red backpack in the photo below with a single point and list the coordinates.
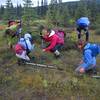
(18, 49)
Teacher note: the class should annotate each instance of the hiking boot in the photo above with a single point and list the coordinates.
(94, 72)
(57, 54)
(21, 62)
(32, 58)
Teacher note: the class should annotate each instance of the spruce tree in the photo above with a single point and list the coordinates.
(19, 11)
(38, 8)
(45, 8)
(2, 9)
(29, 12)
(8, 11)
(82, 10)
(52, 12)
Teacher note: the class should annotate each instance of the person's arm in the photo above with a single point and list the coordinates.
(88, 57)
(52, 44)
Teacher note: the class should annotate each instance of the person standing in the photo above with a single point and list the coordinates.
(83, 24)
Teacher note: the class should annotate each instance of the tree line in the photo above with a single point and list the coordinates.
(57, 12)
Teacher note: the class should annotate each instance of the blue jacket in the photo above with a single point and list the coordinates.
(83, 21)
(90, 52)
(26, 43)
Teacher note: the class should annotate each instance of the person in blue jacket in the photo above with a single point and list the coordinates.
(83, 24)
(88, 62)
(24, 46)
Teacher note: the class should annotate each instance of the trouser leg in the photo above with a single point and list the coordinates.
(87, 33)
(79, 33)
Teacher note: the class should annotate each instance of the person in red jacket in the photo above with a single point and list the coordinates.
(55, 41)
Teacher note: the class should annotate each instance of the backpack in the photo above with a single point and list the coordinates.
(24, 44)
(18, 49)
(94, 48)
(83, 21)
(60, 33)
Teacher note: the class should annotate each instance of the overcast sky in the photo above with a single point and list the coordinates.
(21, 1)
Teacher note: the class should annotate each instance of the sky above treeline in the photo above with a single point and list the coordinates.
(15, 2)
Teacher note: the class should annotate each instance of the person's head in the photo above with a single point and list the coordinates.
(81, 44)
(46, 31)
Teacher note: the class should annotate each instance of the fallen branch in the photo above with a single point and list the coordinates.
(43, 66)
(96, 76)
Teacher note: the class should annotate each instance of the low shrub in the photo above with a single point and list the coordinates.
(94, 26)
(97, 31)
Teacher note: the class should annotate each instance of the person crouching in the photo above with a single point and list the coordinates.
(55, 42)
(24, 47)
(88, 62)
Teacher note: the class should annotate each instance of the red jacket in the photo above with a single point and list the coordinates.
(54, 39)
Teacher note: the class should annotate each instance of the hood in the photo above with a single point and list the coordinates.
(21, 39)
(52, 33)
(87, 46)
(27, 36)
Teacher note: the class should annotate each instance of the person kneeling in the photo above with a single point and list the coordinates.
(24, 47)
(55, 41)
(90, 51)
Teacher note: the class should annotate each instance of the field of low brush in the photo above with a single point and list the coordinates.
(28, 82)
